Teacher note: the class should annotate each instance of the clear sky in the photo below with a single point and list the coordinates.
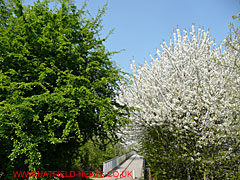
(141, 25)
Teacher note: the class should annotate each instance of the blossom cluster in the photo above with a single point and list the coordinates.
(191, 86)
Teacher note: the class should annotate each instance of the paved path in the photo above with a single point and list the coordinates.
(133, 166)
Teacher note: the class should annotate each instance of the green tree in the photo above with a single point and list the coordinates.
(92, 155)
(57, 86)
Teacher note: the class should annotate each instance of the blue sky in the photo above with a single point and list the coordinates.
(141, 25)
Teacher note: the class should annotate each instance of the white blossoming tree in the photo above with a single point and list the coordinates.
(187, 108)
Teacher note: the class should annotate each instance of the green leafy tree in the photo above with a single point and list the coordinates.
(92, 155)
(57, 86)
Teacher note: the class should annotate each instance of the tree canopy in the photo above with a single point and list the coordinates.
(57, 85)
(186, 107)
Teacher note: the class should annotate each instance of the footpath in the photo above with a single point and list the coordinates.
(131, 169)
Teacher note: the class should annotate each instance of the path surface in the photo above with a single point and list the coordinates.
(133, 166)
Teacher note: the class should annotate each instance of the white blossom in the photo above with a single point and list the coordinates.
(191, 86)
